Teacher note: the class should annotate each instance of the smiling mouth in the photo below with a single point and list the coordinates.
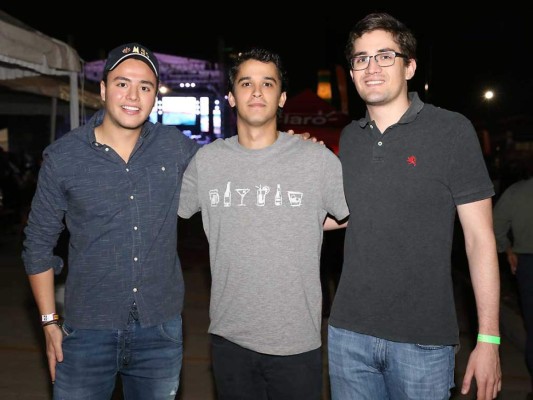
(374, 82)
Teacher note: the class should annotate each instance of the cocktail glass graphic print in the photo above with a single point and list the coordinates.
(262, 191)
(242, 193)
(261, 199)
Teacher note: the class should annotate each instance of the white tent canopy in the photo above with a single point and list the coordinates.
(29, 61)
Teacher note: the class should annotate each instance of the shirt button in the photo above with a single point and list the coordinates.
(127, 170)
(134, 290)
(135, 228)
(135, 258)
(131, 197)
(371, 126)
(162, 168)
(107, 149)
(380, 143)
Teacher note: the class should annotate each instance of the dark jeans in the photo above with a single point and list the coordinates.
(524, 280)
(242, 374)
(147, 359)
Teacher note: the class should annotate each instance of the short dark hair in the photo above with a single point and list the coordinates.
(401, 34)
(262, 55)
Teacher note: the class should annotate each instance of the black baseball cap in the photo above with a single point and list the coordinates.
(135, 50)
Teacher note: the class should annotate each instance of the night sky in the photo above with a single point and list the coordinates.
(461, 53)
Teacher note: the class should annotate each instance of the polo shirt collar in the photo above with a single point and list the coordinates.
(409, 116)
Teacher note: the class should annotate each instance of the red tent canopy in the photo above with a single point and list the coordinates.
(306, 112)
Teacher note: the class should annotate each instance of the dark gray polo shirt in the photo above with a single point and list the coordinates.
(402, 188)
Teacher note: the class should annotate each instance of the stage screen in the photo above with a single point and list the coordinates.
(178, 110)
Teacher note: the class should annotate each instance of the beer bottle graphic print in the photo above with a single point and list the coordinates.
(278, 198)
(227, 195)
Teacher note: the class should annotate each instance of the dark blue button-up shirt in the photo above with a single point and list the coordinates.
(122, 220)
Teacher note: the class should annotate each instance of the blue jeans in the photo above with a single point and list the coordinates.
(147, 359)
(368, 368)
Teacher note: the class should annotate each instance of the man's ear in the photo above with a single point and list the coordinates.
(102, 90)
(282, 99)
(410, 69)
(231, 100)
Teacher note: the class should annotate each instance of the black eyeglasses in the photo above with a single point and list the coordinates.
(384, 59)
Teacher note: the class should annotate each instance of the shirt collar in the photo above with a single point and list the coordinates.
(410, 115)
(97, 120)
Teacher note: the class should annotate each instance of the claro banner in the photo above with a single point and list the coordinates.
(306, 112)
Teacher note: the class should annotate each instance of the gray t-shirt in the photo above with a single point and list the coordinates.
(263, 212)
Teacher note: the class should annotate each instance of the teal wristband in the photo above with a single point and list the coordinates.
(488, 339)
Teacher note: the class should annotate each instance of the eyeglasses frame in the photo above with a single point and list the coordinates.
(396, 54)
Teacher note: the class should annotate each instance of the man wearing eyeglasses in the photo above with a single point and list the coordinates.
(408, 168)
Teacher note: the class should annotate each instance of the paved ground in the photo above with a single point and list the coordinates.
(24, 375)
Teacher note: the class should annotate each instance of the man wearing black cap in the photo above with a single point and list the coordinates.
(115, 184)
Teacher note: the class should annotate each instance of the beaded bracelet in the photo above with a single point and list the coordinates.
(488, 339)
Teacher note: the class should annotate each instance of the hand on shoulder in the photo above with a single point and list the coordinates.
(305, 136)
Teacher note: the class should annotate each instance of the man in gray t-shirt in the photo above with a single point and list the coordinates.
(264, 196)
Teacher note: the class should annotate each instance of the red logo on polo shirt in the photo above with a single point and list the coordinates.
(411, 160)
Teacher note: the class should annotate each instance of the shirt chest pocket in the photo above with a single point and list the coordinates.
(160, 187)
(162, 179)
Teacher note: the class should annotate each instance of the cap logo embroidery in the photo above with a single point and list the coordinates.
(137, 50)
(119, 54)
(411, 160)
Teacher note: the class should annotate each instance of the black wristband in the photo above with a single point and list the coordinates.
(54, 322)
